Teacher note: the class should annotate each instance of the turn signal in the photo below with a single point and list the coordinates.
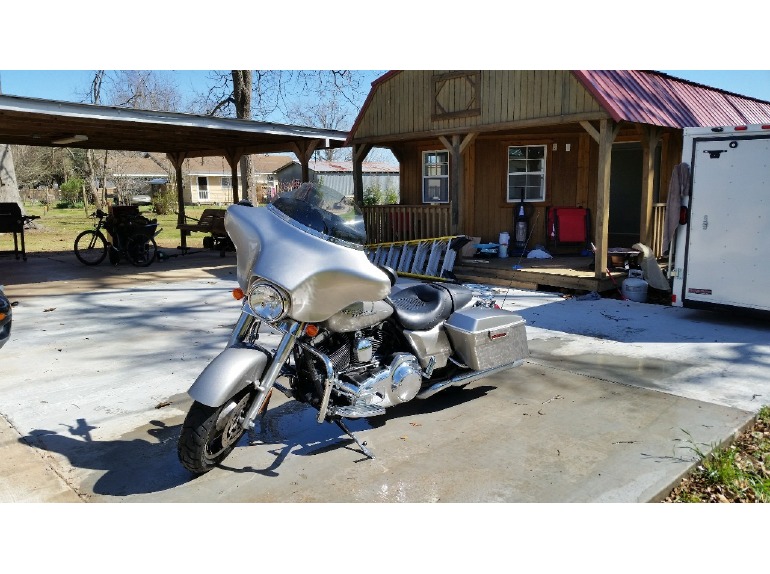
(311, 330)
(238, 293)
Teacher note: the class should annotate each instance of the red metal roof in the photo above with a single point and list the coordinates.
(659, 99)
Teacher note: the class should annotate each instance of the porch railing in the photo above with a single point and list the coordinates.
(385, 223)
(658, 224)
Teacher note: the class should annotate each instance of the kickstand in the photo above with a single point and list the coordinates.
(361, 445)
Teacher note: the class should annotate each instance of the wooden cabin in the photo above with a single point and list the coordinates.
(474, 146)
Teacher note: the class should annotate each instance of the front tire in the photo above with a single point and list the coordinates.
(209, 434)
(90, 247)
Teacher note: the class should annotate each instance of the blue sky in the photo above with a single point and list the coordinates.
(70, 85)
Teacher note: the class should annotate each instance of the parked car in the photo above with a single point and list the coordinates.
(5, 318)
(141, 199)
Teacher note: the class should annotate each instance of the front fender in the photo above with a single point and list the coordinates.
(232, 370)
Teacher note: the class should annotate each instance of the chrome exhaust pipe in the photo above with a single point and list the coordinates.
(465, 379)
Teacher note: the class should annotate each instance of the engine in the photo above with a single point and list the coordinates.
(370, 366)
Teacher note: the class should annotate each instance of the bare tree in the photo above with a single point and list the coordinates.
(141, 89)
(327, 114)
(99, 194)
(9, 189)
(273, 95)
(242, 98)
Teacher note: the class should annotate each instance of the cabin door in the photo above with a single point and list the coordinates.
(625, 195)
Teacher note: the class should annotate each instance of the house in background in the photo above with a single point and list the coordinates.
(206, 180)
(339, 175)
(472, 144)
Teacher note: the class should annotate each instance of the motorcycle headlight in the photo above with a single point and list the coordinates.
(267, 302)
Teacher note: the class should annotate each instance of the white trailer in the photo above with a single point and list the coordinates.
(721, 253)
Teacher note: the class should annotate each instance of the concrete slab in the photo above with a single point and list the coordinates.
(608, 408)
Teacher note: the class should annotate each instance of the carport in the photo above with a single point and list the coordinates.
(50, 123)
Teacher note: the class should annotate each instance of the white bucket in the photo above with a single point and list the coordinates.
(505, 237)
(635, 288)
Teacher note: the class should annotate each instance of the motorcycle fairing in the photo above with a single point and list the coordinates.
(322, 277)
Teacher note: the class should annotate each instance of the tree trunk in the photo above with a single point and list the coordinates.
(9, 190)
(242, 97)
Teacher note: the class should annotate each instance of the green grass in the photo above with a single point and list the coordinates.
(737, 473)
(57, 229)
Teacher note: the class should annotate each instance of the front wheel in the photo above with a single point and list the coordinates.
(210, 433)
(90, 247)
(141, 250)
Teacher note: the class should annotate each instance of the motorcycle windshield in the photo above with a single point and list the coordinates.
(323, 212)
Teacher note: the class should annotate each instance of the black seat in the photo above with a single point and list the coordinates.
(422, 307)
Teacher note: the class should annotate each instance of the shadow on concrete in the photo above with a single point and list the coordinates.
(145, 461)
(58, 266)
(136, 466)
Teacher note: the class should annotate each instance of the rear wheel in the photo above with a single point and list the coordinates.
(209, 434)
(141, 250)
(90, 247)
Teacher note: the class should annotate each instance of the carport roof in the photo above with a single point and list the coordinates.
(39, 122)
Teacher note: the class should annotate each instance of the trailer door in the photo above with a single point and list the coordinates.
(729, 229)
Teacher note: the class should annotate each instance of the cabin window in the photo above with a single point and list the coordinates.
(526, 173)
(227, 182)
(203, 188)
(435, 177)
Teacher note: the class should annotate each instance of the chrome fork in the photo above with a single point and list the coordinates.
(265, 385)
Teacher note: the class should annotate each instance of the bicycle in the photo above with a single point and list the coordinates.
(133, 238)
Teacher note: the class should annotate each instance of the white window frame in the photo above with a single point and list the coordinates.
(442, 179)
(514, 196)
(226, 182)
(203, 191)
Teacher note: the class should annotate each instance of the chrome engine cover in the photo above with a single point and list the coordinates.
(398, 383)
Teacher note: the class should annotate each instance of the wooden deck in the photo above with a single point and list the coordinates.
(569, 273)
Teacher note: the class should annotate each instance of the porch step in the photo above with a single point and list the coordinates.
(432, 258)
(532, 278)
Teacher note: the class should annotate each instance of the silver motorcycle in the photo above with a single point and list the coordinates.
(353, 342)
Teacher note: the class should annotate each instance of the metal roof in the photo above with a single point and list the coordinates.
(659, 99)
(38, 122)
(347, 167)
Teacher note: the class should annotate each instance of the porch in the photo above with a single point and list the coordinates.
(393, 223)
(571, 273)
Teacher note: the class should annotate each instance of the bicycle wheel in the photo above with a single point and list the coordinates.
(90, 247)
(141, 250)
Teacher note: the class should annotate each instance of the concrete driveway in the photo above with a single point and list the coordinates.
(611, 406)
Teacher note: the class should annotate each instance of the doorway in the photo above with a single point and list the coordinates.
(625, 194)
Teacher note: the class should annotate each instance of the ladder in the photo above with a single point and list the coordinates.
(421, 258)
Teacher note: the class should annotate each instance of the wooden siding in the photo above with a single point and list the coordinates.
(571, 178)
(406, 103)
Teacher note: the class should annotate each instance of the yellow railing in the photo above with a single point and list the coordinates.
(385, 223)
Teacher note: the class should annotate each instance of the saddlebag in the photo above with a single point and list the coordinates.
(485, 338)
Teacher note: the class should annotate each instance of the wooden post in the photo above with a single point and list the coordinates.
(304, 151)
(177, 159)
(360, 151)
(608, 130)
(456, 172)
(650, 139)
(233, 157)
